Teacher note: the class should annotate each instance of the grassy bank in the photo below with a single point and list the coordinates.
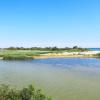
(97, 55)
(27, 54)
(20, 54)
(28, 93)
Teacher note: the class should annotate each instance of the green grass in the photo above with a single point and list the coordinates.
(20, 54)
(28, 93)
(97, 55)
(29, 54)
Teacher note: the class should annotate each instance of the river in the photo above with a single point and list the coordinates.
(61, 78)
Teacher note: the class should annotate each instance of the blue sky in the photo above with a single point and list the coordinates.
(50, 23)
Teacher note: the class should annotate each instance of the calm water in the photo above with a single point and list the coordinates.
(94, 49)
(61, 78)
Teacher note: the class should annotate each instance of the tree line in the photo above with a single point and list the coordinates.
(44, 48)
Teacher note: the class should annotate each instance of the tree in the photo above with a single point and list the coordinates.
(75, 47)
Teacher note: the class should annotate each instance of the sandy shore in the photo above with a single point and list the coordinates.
(86, 54)
(1, 58)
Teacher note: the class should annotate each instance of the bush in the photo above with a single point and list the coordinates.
(97, 55)
(29, 93)
(16, 57)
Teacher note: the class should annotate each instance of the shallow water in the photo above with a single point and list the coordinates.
(61, 78)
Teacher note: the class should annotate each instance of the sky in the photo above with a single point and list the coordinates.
(61, 23)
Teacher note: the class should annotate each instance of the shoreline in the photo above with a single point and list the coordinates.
(47, 57)
(85, 54)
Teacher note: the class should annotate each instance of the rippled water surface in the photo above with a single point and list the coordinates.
(61, 78)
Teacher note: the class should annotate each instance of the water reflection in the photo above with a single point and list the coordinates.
(62, 78)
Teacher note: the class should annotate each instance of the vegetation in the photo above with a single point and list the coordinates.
(16, 57)
(20, 53)
(47, 48)
(97, 55)
(29, 93)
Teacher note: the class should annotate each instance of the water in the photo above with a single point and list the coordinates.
(61, 78)
(94, 49)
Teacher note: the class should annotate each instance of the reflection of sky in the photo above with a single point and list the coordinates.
(84, 62)
(60, 78)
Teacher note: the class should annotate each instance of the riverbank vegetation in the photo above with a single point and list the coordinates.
(29, 93)
(20, 53)
(75, 48)
(97, 55)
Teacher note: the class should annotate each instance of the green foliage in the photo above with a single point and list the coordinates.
(45, 49)
(20, 54)
(29, 53)
(97, 55)
(29, 93)
(16, 57)
(75, 47)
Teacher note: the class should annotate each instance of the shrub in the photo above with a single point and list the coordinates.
(16, 57)
(98, 55)
(29, 93)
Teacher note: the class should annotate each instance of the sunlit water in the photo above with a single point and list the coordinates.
(61, 78)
